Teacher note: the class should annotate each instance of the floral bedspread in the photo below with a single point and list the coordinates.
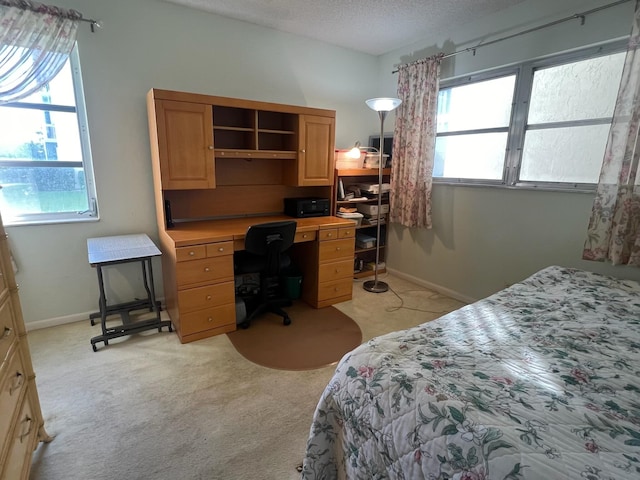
(539, 381)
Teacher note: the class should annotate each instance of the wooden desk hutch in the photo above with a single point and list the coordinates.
(221, 164)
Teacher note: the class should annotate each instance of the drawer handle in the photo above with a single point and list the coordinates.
(210, 319)
(6, 333)
(337, 289)
(221, 249)
(304, 235)
(329, 234)
(206, 269)
(192, 253)
(208, 297)
(18, 381)
(337, 270)
(337, 249)
(29, 421)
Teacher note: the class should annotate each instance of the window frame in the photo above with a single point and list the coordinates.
(518, 126)
(91, 214)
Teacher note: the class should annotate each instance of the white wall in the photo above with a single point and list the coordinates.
(151, 43)
(486, 238)
(483, 238)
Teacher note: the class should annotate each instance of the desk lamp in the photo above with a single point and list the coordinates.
(382, 106)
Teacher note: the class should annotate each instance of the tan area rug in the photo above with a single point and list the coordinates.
(315, 338)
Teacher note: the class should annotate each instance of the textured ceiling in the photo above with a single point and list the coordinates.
(370, 26)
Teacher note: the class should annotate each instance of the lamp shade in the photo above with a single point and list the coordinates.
(384, 104)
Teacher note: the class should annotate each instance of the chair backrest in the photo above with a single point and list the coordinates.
(270, 240)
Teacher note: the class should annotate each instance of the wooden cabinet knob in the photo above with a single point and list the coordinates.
(337, 249)
(192, 253)
(206, 269)
(221, 249)
(210, 319)
(210, 147)
(208, 297)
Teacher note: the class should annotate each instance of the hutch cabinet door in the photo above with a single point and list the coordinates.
(185, 145)
(316, 152)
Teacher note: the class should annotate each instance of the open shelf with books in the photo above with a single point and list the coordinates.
(356, 197)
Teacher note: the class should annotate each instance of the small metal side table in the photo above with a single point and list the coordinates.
(106, 251)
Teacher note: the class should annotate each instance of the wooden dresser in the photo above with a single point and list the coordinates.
(21, 422)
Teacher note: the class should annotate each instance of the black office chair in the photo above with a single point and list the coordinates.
(265, 246)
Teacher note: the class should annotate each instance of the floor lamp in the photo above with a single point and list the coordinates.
(382, 106)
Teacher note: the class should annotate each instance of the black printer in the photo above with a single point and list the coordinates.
(306, 207)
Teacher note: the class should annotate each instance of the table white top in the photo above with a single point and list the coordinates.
(120, 247)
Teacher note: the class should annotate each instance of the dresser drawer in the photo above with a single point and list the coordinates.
(336, 288)
(22, 442)
(336, 249)
(199, 298)
(335, 270)
(207, 270)
(208, 319)
(7, 330)
(12, 385)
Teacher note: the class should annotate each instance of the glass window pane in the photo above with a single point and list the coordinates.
(571, 154)
(479, 156)
(42, 190)
(576, 91)
(27, 134)
(485, 104)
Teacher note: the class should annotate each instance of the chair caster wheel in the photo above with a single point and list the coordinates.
(95, 349)
(286, 321)
(244, 325)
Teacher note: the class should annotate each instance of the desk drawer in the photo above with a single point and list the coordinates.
(347, 232)
(12, 384)
(207, 319)
(205, 297)
(219, 249)
(336, 249)
(337, 288)
(7, 330)
(335, 270)
(328, 234)
(194, 252)
(22, 443)
(304, 237)
(207, 270)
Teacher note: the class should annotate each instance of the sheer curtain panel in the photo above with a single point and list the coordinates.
(35, 42)
(614, 226)
(414, 141)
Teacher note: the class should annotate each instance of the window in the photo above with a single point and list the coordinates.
(538, 124)
(45, 161)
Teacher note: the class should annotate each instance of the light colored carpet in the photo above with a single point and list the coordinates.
(316, 337)
(147, 407)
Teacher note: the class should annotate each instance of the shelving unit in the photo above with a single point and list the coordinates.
(364, 175)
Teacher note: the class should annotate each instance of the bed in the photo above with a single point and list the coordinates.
(539, 381)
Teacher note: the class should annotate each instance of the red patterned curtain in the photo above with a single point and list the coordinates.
(614, 226)
(414, 141)
(35, 42)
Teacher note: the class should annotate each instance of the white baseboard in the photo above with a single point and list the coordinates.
(76, 317)
(432, 286)
(54, 322)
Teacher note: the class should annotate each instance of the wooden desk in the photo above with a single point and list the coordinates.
(197, 264)
(105, 251)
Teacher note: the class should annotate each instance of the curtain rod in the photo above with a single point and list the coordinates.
(580, 16)
(51, 10)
